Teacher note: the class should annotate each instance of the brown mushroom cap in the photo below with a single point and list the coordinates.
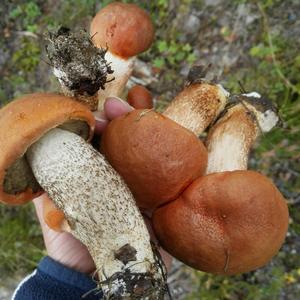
(24, 121)
(125, 29)
(139, 97)
(157, 157)
(224, 223)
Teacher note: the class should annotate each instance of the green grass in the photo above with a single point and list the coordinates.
(218, 287)
(21, 240)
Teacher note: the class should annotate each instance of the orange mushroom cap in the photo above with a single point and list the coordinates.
(224, 223)
(156, 157)
(23, 122)
(139, 97)
(125, 29)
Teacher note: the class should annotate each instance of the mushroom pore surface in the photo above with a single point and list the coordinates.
(19, 176)
(22, 122)
(92, 197)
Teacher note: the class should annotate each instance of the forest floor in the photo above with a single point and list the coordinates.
(253, 42)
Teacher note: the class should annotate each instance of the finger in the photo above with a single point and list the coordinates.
(38, 204)
(101, 122)
(115, 107)
(49, 215)
(62, 246)
(54, 217)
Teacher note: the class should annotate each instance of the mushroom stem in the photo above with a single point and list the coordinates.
(80, 67)
(100, 210)
(122, 69)
(231, 138)
(197, 105)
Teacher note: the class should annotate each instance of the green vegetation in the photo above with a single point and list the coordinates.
(213, 287)
(270, 66)
(28, 13)
(27, 57)
(21, 243)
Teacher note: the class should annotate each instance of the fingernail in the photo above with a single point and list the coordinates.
(120, 100)
(100, 116)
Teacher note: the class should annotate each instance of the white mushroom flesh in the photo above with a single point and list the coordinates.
(122, 71)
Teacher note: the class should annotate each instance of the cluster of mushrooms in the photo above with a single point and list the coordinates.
(207, 209)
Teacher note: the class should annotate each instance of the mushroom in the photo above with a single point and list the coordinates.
(44, 148)
(157, 157)
(79, 66)
(140, 97)
(231, 220)
(125, 30)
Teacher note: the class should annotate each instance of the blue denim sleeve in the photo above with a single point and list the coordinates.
(53, 281)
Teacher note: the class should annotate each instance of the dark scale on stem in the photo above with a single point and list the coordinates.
(79, 65)
(129, 285)
(126, 254)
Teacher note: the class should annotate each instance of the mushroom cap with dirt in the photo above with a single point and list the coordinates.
(45, 149)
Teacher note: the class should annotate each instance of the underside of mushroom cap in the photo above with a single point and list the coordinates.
(224, 223)
(157, 157)
(125, 29)
(23, 122)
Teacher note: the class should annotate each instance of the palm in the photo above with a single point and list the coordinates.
(62, 246)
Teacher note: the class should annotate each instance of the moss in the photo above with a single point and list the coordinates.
(27, 15)
(27, 57)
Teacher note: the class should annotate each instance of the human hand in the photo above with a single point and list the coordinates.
(62, 246)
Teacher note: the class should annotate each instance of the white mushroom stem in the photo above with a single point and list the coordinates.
(231, 138)
(122, 69)
(100, 210)
(197, 106)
